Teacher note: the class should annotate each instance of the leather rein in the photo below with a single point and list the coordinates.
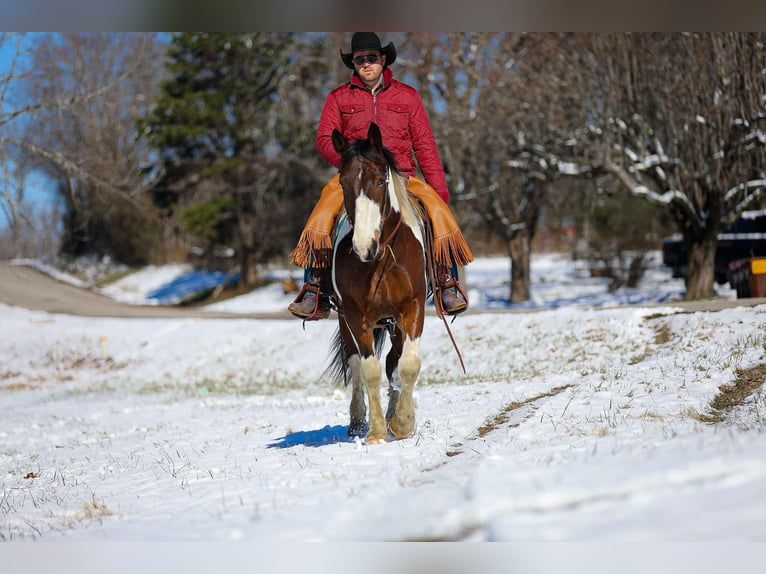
(387, 209)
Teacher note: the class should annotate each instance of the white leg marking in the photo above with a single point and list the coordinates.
(371, 372)
(357, 409)
(403, 420)
(409, 363)
(355, 364)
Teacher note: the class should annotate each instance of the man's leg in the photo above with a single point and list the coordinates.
(315, 244)
(453, 298)
(450, 247)
(313, 253)
(313, 300)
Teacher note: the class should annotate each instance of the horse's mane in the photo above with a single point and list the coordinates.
(363, 148)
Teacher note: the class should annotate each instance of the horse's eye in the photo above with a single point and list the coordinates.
(382, 181)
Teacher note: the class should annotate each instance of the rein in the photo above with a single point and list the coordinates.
(431, 267)
(386, 243)
(385, 246)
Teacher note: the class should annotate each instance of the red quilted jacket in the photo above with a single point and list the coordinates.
(398, 111)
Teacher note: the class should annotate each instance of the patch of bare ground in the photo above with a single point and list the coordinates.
(735, 395)
(661, 333)
(503, 416)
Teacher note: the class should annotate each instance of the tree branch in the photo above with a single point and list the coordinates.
(669, 197)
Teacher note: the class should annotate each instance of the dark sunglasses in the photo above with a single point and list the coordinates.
(371, 58)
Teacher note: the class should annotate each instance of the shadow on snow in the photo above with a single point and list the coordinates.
(319, 437)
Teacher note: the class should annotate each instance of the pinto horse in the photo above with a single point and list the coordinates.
(380, 286)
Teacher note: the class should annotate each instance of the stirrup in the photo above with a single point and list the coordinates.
(449, 281)
(320, 311)
(462, 304)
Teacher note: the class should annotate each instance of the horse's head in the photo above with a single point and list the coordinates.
(365, 172)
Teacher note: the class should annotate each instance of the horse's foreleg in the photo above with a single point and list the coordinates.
(357, 410)
(392, 374)
(394, 388)
(371, 371)
(402, 424)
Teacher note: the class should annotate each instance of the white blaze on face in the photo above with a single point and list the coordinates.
(367, 220)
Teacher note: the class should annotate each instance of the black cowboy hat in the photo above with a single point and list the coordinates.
(368, 41)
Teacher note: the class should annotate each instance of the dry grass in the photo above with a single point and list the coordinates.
(661, 333)
(502, 417)
(93, 510)
(20, 386)
(732, 396)
(492, 424)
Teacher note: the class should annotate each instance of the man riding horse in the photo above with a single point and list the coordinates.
(372, 95)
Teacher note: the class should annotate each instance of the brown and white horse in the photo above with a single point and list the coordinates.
(380, 285)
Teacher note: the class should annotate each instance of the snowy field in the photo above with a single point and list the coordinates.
(579, 422)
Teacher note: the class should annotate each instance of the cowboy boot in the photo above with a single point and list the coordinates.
(453, 298)
(312, 302)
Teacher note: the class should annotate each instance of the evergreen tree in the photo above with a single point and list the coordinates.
(226, 175)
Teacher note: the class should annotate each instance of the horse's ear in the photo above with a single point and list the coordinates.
(373, 134)
(339, 142)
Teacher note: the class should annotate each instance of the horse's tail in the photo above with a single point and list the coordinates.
(338, 370)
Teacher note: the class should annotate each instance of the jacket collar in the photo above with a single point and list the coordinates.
(387, 77)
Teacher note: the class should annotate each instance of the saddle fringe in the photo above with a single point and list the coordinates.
(444, 244)
(452, 242)
(313, 249)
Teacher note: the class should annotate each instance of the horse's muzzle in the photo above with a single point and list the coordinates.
(368, 254)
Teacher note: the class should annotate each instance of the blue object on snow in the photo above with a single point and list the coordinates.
(191, 286)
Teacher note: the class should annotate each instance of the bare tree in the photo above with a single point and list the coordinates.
(78, 100)
(13, 191)
(501, 105)
(32, 225)
(682, 116)
(675, 118)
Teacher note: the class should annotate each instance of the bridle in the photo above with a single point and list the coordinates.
(385, 244)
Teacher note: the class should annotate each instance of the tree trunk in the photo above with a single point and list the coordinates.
(75, 235)
(518, 247)
(248, 274)
(701, 271)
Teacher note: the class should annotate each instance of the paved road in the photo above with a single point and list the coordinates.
(27, 287)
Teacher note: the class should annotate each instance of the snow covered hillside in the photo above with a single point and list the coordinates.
(573, 423)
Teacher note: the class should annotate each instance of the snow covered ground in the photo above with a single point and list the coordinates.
(557, 282)
(579, 422)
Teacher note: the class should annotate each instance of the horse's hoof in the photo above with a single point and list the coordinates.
(401, 433)
(357, 431)
(375, 439)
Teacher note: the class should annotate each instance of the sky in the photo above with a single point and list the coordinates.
(38, 189)
(576, 422)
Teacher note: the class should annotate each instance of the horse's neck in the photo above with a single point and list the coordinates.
(397, 190)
